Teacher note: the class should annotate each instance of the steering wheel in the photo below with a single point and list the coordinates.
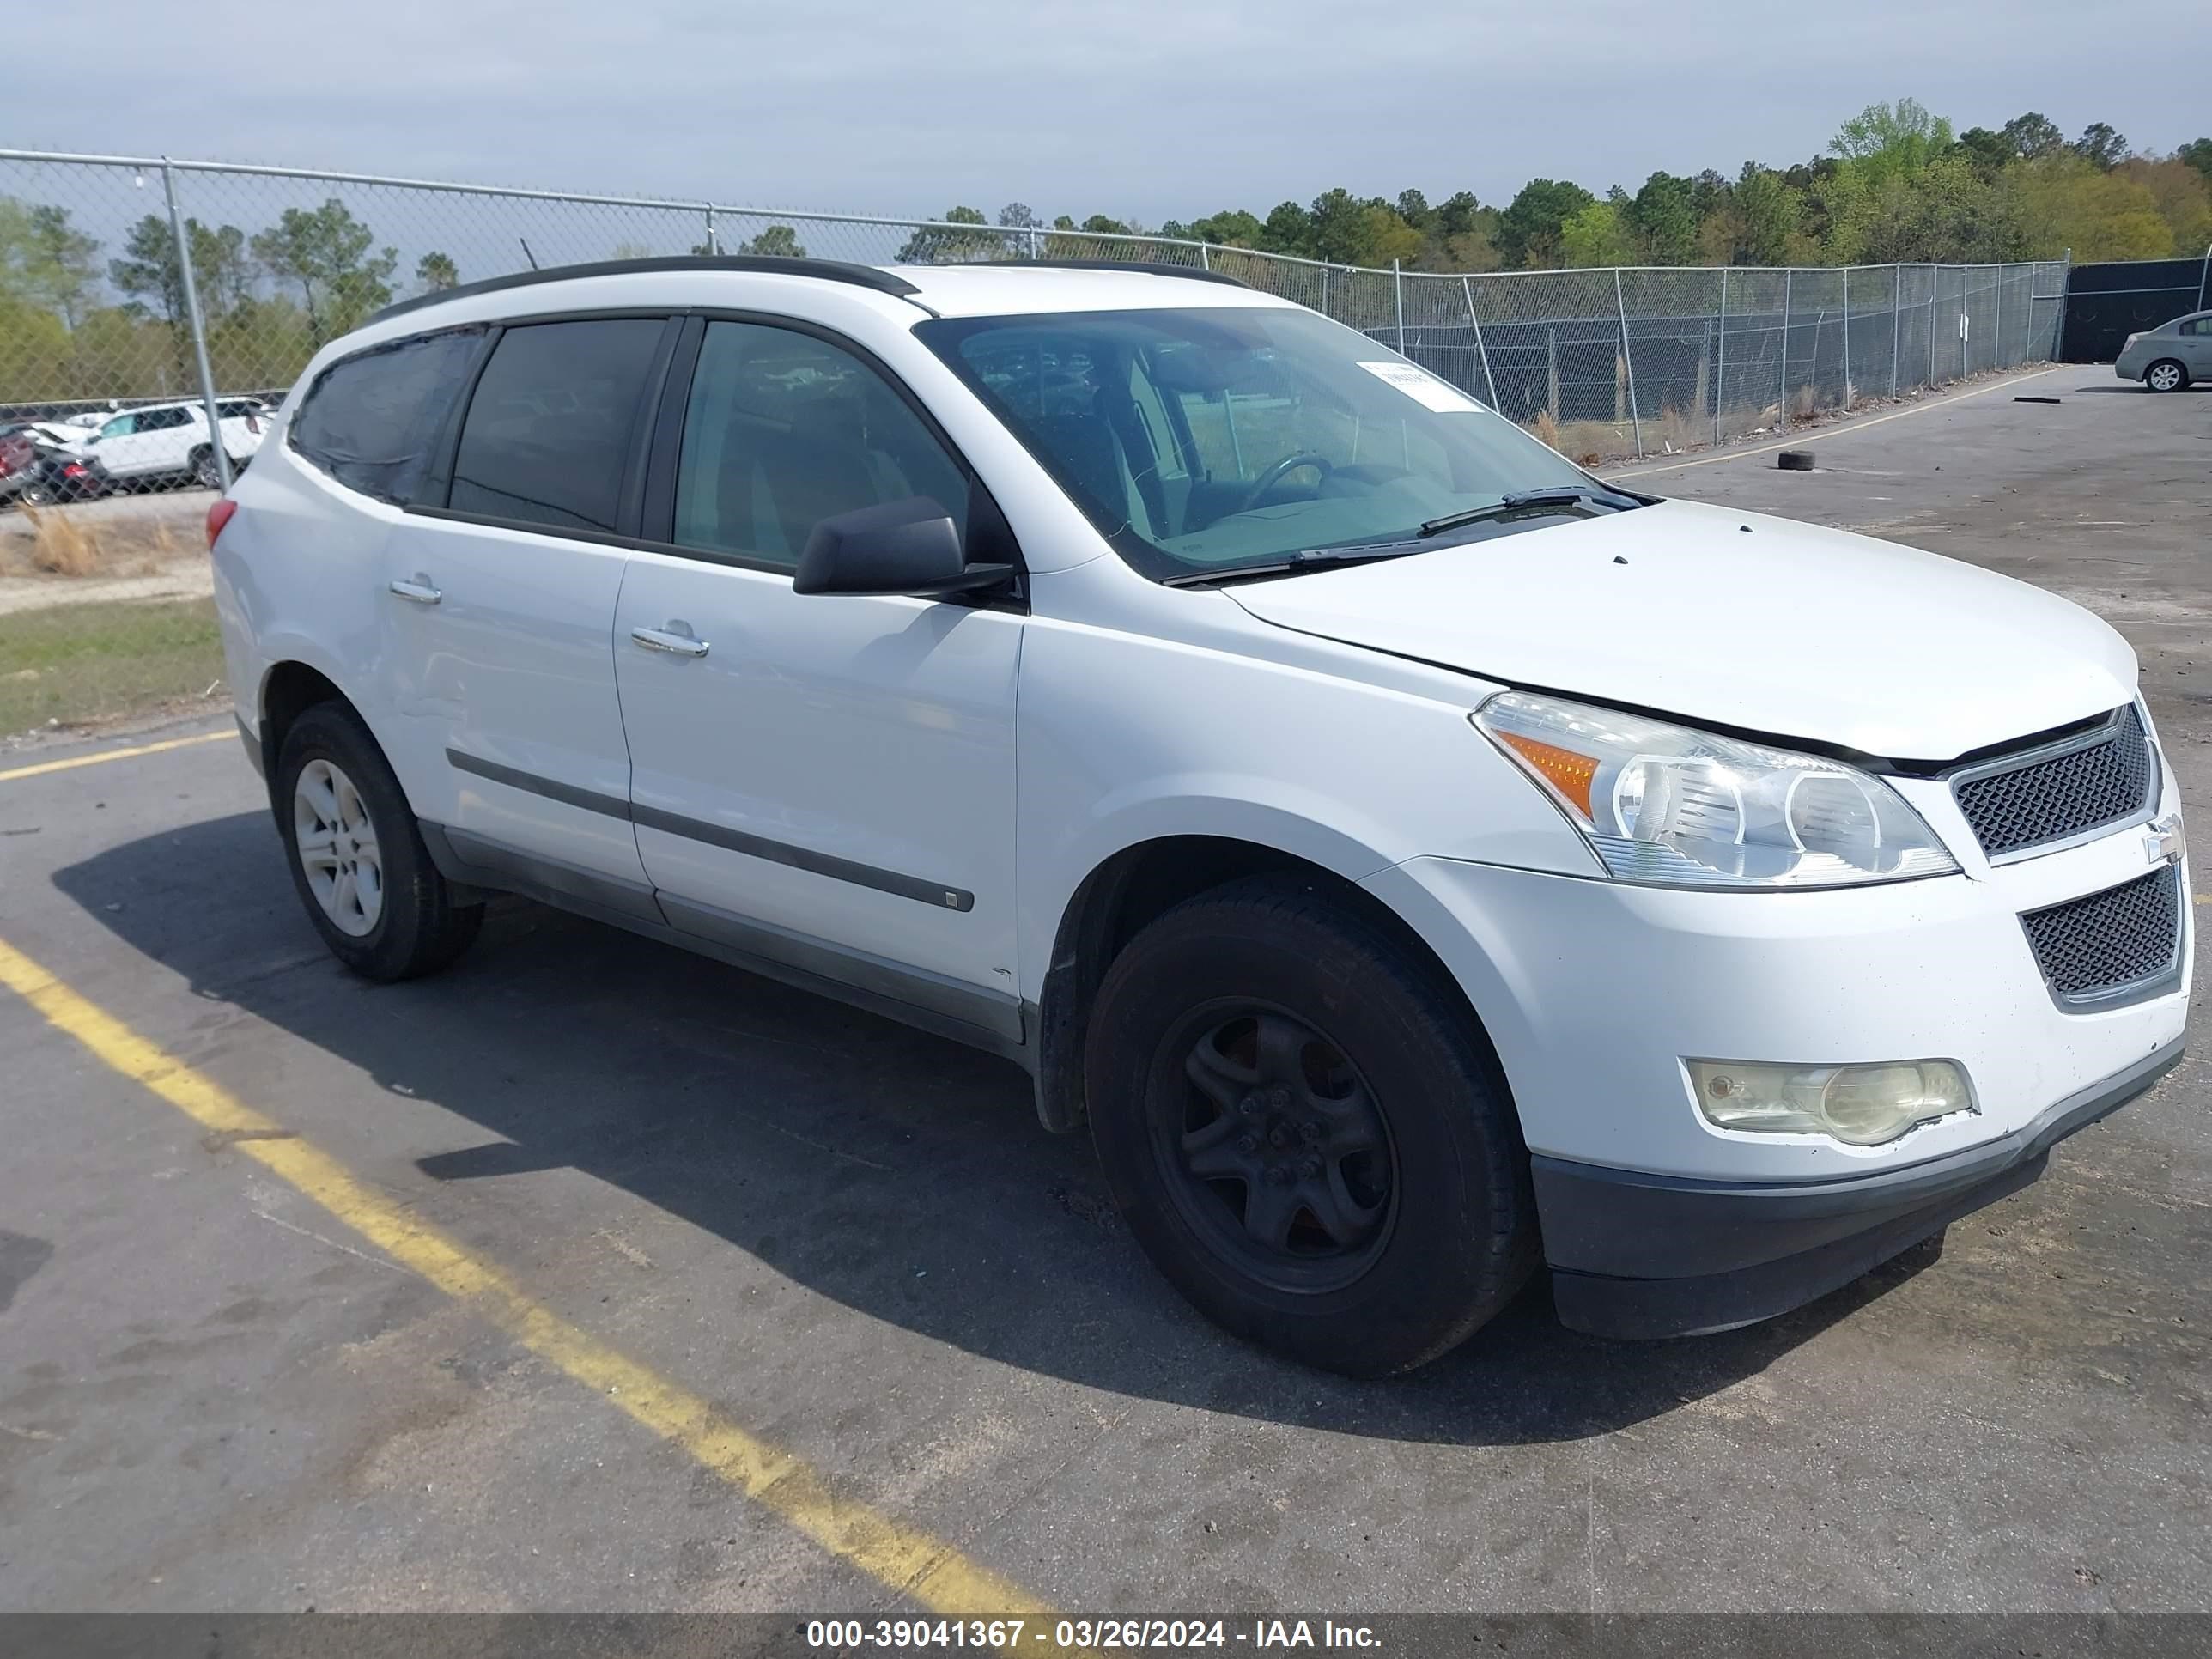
(1281, 470)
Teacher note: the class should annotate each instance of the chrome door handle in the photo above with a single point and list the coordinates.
(662, 639)
(418, 589)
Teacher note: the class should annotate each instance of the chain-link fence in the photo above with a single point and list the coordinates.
(131, 283)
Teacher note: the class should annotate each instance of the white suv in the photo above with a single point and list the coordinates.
(160, 441)
(1415, 857)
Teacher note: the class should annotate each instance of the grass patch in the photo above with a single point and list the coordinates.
(77, 663)
(67, 541)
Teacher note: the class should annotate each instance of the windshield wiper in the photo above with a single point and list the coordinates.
(1522, 500)
(1312, 558)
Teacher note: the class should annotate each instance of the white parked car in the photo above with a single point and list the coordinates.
(1416, 858)
(157, 441)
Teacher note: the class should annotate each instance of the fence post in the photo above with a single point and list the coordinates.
(199, 331)
(1551, 371)
(1847, 339)
(1782, 396)
(1996, 322)
(1628, 358)
(1398, 287)
(1720, 357)
(1896, 304)
(713, 245)
(2202, 277)
(1204, 256)
(1467, 287)
(2066, 288)
(1933, 284)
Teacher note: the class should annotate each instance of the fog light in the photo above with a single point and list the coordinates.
(1858, 1105)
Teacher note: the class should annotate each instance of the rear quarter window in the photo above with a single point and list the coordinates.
(372, 420)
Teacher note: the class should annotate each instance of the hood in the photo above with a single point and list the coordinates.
(1734, 619)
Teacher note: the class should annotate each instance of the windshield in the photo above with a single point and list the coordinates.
(1207, 440)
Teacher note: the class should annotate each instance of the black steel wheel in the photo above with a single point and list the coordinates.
(1306, 1130)
(1274, 1145)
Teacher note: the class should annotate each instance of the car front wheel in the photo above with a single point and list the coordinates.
(1305, 1131)
(2166, 375)
(357, 857)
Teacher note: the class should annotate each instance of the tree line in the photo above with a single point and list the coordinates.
(1896, 184)
(269, 300)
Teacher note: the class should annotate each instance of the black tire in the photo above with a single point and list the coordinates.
(204, 471)
(2176, 375)
(418, 927)
(1455, 1236)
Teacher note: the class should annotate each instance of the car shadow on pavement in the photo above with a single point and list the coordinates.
(899, 1175)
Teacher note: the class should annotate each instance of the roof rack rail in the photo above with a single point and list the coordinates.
(1142, 267)
(830, 270)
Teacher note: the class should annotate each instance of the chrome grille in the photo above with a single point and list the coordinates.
(2091, 948)
(2061, 791)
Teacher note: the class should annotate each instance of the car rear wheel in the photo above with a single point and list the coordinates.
(357, 857)
(2166, 375)
(1305, 1132)
(204, 471)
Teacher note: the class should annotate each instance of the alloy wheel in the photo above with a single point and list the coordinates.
(336, 848)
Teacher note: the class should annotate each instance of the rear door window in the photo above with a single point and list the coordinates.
(553, 422)
(371, 422)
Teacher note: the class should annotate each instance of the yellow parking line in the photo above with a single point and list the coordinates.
(1803, 438)
(106, 755)
(903, 1558)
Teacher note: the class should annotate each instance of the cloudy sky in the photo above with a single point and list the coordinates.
(1145, 109)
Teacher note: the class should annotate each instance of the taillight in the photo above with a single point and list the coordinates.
(74, 469)
(218, 516)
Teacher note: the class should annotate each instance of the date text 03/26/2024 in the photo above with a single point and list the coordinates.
(1018, 1635)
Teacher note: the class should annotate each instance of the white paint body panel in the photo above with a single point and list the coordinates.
(513, 665)
(877, 730)
(1323, 715)
(1789, 628)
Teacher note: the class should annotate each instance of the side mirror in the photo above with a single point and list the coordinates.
(910, 547)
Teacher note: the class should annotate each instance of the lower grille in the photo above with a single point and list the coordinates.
(2096, 948)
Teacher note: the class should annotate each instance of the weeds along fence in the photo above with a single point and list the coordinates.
(129, 278)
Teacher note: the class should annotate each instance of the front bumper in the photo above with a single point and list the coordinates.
(1645, 1256)
(1593, 993)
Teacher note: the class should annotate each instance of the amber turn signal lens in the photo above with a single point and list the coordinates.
(1563, 768)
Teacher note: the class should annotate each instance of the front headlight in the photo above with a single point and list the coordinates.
(1680, 807)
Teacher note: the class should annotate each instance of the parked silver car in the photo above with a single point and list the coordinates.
(2171, 356)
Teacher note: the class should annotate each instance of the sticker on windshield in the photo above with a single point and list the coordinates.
(1422, 388)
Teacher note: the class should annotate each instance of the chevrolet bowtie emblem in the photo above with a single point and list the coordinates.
(2162, 842)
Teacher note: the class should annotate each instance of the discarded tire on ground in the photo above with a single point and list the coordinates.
(1795, 460)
